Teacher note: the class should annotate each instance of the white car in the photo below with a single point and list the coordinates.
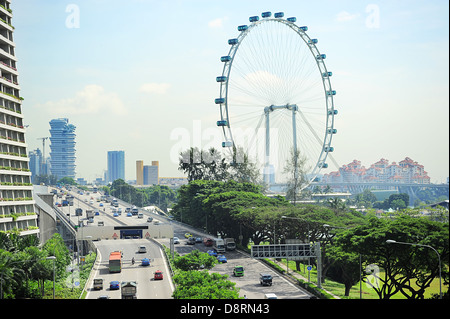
(176, 240)
(142, 249)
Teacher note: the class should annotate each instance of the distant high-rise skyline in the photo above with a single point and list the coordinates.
(62, 148)
(116, 166)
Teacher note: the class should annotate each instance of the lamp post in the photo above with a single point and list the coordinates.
(391, 241)
(54, 259)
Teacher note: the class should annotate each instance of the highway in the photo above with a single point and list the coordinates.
(249, 284)
(148, 288)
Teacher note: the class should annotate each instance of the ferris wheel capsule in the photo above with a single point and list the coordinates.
(226, 58)
(279, 15)
(266, 14)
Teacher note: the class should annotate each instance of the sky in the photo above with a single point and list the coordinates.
(139, 75)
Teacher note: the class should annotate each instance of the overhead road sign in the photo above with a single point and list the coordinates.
(291, 251)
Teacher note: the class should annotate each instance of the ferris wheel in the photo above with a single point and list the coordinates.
(276, 97)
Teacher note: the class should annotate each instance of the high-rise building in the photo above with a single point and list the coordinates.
(151, 173)
(139, 172)
(62, 148)
(16, 191)
(116, 166)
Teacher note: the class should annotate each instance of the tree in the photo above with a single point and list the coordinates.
(200, 164)
(67, 181)
(195, 284)
(295, 170)
(407, 270)
(195, 260)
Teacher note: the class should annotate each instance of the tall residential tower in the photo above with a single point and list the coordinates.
(62, 148)
(17, 212)
(116, 166)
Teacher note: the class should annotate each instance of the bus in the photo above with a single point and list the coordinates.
(115, 261)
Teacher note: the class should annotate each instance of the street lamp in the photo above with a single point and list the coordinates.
(391, 241)
(54, 259)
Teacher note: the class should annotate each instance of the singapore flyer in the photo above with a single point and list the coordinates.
(276, 98)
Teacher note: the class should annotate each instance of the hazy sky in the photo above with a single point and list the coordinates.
(139, 75)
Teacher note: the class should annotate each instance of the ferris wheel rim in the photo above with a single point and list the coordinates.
(321, 66)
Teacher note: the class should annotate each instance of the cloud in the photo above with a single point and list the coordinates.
(346, 16)
(92, 99)
(157, 88)
(217, 23)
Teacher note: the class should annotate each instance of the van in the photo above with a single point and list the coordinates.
(140, 215)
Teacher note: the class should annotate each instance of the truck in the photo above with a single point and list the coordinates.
(238, 271)
(219, 245)
(265, 279)
(134, 210)
(90, 214)
(98, 284)
(128, 289)
(230, 244)
(115, 261)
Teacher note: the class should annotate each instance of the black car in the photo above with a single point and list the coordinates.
(265, 279)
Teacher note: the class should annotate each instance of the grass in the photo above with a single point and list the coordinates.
(338, 289)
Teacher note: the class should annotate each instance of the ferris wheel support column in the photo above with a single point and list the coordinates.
(294, 131)
(267, 111)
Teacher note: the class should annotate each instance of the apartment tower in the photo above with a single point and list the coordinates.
(62, 148)
(17, 212)
(139, 172)
(116, 166)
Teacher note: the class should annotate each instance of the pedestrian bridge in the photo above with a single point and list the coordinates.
(125, 232)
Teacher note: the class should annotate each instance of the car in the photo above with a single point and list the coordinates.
(191, 241)
(129, 215)
(103, 297)
(116, 215)
(97, 213)
(145, 262)
(176, 240)
(222, 259)
(158, 275)
(142, 249)
(212, 252)
(198, 240)
(114, 285)
(149, 219)
(101, 205)
(187, 235)
(265, 279)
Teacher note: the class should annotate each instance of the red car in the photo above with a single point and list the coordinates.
(158, 275)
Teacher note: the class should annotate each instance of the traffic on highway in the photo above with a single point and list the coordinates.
(143, 267)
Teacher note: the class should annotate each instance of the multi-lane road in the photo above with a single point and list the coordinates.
(148, 288)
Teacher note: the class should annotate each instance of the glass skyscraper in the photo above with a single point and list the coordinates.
(62, 148)
(116, 166)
